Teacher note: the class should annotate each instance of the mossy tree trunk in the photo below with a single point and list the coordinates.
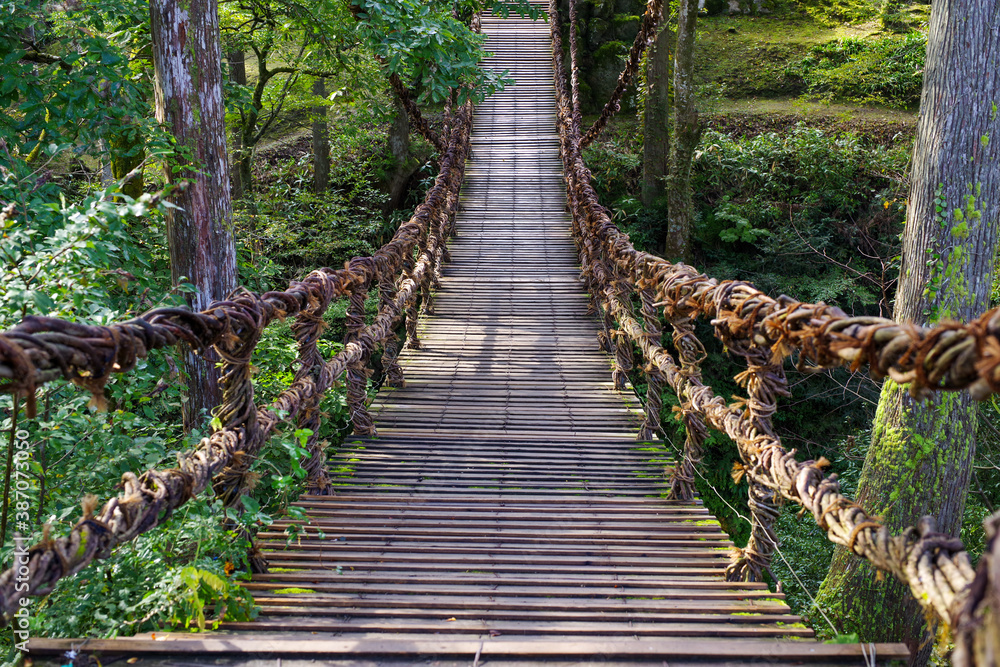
(320, 140)
(405, 165)
(921, 453)
(656, 119)
(187, 59)
(677, 246)
(128, 150)
(238, 75)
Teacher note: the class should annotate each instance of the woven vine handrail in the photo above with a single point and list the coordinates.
(42, 349)
(766, 331)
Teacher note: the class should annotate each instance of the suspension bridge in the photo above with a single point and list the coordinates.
(505, 500)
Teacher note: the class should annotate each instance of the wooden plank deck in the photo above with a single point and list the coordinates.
(506, 513)
(510, 351)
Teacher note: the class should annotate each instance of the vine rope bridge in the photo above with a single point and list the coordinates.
(505, 497)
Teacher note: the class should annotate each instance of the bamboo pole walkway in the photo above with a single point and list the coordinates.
(506, 513)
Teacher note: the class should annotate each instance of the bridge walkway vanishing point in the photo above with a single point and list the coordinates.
(506, 512)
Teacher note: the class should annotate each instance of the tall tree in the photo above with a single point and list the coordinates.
(320, 140)
(656, 118)
(405, 165)
(922, 450)
(188, 62)
(686, 134)
(238, 75)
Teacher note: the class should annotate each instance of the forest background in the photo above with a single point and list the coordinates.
(799, 182)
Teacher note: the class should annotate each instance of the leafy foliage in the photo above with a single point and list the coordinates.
(294, 230)
(168, 576)
(431, 43)
(827, 206)
(885, 70)
(58, 85)
(808, 213)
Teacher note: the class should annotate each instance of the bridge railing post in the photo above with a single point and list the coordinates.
(307, 328)
(604, 290)
(690, 353)
(390, 346)
(358, 371)
(654, 378)
(238, 410)
(764, 381)
(622, 344)
(434, 248)
(585, 251)
(412, 315)
(443, 232)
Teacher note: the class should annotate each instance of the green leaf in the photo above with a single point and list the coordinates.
(250, 505)
(45, 304)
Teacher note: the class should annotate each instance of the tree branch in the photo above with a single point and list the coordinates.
(42, 58)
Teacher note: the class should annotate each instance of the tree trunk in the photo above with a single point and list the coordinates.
(187, 59)
(405, 166)
(687, 132)
(656, 119)
(244, 170)
(238, 75)
(921, 453)
(107, 177)
(321, 141)
(127, 150)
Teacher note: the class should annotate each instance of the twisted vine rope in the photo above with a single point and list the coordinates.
(417, 120)
(767, 331)
(41, 350)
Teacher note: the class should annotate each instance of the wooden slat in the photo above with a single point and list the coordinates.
(568, 629)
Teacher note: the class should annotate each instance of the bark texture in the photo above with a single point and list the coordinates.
(320, 141)
(187, 58)
(921, 455)
(656, 119)
(686, 133)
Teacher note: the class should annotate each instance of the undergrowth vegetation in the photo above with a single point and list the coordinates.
(829, 55)
(290, 229)
(886, 70)
(807, 213)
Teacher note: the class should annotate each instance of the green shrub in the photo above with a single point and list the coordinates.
(835, 12)
(884, 70)
(809, 214)
(617, 170)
